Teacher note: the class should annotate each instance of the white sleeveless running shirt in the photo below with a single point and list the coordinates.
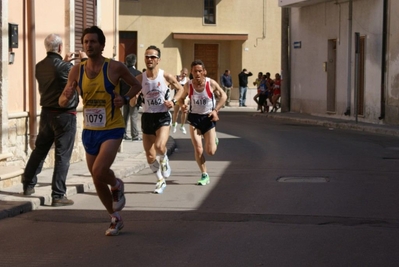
(201, 102)
(154, 92)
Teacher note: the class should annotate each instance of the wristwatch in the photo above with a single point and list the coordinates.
(174, 102)
(127, 99)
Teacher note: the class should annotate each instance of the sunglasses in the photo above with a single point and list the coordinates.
(151, 57)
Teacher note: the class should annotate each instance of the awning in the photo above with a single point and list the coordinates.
(211, 36)
(300, 3)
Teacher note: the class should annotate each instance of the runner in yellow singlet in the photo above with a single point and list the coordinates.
(97, 82)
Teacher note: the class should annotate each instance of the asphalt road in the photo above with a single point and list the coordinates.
(281, 194)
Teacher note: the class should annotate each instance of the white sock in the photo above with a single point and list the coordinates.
(154, 166)
(159, 174)
(116, 214)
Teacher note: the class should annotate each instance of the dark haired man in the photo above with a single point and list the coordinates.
(227, 83)
(202, 114)
(131, 112)
(97, 81)
(156, 118)
(243, 83)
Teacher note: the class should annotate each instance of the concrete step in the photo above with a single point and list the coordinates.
(10, 176)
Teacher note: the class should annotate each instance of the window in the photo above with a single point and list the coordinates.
(209, 12)
(85, 16)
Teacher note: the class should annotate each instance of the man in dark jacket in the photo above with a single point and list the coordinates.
(243, 83)
(57, 125)
(129, 110)
(227, 84)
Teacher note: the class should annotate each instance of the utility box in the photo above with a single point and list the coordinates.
(13, 35)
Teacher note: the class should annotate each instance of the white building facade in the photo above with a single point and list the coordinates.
(343, 59)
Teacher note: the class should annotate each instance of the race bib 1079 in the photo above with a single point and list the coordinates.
(94, 117)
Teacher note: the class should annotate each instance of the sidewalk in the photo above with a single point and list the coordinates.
(131, 159)
(335, 123)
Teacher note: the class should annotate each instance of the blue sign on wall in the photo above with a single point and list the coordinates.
(297, 44)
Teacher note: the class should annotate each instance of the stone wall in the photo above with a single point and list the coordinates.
(18, 143)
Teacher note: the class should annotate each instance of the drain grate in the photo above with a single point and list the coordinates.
(303, 179)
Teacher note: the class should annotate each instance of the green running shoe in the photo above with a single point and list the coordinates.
(204, 179)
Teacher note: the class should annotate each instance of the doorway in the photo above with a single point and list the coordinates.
(331, 76)
(360, 85)
(209, 54)
(127, 44)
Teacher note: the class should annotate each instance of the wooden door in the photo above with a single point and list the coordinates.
(209, 54)
(127, 44)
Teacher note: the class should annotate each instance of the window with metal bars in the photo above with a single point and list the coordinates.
(85, 16)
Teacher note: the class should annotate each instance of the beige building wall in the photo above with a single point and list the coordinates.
(313, 27)
(156, 21)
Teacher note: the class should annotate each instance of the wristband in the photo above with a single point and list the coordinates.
(174, 102)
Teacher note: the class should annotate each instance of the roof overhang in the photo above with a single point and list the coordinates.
(210, 36)
(300, 3)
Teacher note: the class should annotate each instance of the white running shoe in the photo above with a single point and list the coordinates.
(115, 227)
(174, 127)
(160, 186)
(183, 129)
(165, 167)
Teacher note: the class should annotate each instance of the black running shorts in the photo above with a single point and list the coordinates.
(151, 122)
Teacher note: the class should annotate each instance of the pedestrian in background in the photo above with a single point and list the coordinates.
(263, 91)
(257, 83)
(131, 112)
(202, 114)
(227, 84)
(276, 92)
(97, 81)
(182, 79)
(243, 86)
(57, 124)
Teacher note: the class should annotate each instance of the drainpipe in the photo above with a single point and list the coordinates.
(31, 76)
(349, 81)
(263, 27)
(116, 16)
(383, 58)
(285, 60)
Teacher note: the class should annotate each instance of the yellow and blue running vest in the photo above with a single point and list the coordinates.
(98, 100)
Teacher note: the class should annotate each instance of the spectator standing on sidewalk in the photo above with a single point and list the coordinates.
(257, 84)
(156, 118)
(227, 84)
(203, 114)
(182, 79)
(97, 81)
(131, 112)
(57, 124)
(263, 91)
(243, 86)
(276, 92)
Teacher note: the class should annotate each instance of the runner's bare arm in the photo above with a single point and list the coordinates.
(70, 87)
(171, 79)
